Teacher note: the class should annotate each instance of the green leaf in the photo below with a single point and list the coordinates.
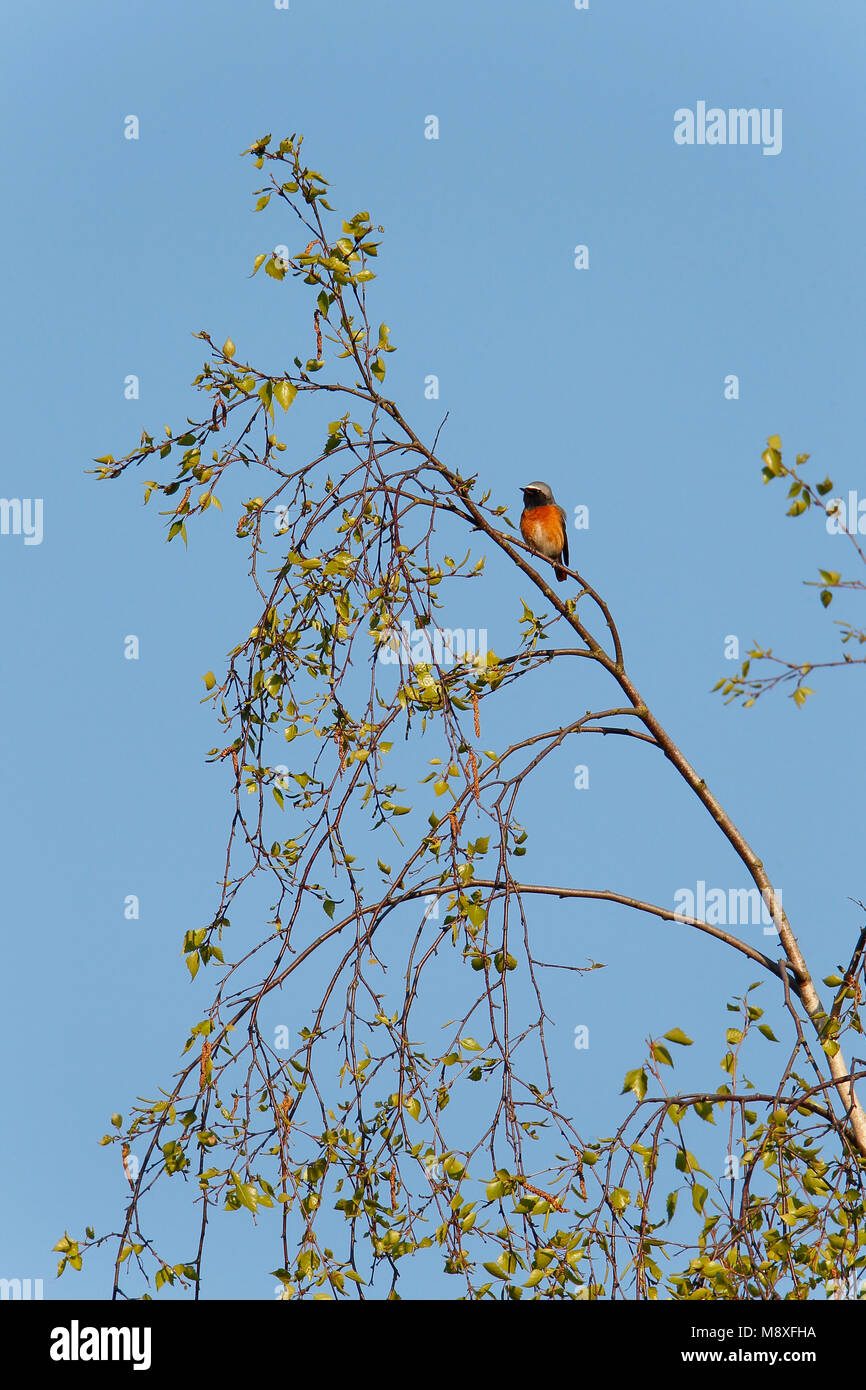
(767, 1032)
(476, 914)
(676, 1035)
(772, 461)
(815, 1185)
(209, 679)
(699, 1196)
(635, 1081)
(284, 393)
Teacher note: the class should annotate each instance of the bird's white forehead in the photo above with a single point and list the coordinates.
(538, 487)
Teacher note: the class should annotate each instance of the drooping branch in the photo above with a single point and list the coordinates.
(615, 666)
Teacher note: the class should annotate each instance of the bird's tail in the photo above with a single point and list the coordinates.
(560, 573)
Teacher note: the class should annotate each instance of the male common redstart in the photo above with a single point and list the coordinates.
(544, 525)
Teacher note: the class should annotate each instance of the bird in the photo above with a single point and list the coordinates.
(544, 525)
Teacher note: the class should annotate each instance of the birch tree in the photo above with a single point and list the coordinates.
(410, 1124)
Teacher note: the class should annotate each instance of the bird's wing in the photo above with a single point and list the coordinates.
(565, 536)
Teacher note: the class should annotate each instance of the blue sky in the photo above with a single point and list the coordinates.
(555, 130)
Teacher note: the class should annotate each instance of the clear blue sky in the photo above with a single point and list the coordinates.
(556, 129)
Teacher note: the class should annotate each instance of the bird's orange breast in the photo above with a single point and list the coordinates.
(542, 528)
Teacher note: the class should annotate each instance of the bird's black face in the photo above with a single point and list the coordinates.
(535, 497)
